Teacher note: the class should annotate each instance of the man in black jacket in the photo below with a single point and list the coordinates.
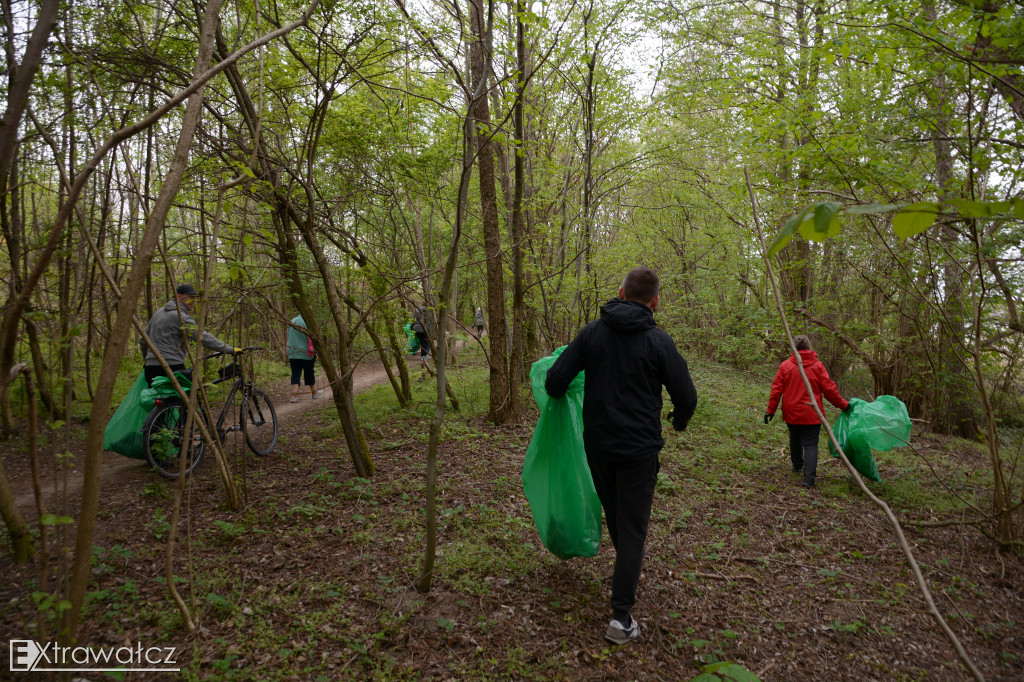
(627, 360)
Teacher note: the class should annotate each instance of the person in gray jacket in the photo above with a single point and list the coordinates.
(169, 334)
(478, 322)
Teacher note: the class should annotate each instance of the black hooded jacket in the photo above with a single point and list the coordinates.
(627, 360)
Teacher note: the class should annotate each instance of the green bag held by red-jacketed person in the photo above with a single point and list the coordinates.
(556, 477)
(880, 425)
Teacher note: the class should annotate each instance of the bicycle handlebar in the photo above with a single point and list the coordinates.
(243, 350)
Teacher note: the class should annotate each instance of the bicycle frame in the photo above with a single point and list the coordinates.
(221, 431)
(241, 382)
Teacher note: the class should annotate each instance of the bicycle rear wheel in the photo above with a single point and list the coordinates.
(163, 436)
(260, 422)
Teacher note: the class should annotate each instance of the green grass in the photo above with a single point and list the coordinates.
(376, 406)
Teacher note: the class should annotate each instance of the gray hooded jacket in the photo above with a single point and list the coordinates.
(169, 336)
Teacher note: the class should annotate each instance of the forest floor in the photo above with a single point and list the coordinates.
(314, 578)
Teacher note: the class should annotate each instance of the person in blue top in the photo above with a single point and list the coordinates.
(301, 357)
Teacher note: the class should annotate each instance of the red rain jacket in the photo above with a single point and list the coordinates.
(789, 386)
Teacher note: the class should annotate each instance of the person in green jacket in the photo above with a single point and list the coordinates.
(301, 357)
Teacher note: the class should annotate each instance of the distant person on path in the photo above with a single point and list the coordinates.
(801, 420)
(478, 322)
(302, 358)
(419, 328)
(627, 360)
(170, 334)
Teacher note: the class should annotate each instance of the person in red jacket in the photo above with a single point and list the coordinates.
(801, 420)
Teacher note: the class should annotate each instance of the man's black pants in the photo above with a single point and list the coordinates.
(153, 371)
(803, 449)
(625, 486)
(424, 343)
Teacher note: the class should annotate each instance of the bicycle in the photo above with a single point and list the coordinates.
(163, 430)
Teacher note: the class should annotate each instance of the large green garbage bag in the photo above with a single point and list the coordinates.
(163, 388)
(556, 477)
(412, 343)
(880, 425)
(124, 430)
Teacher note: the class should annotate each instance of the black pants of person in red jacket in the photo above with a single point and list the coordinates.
(803, 450)
(625, 486)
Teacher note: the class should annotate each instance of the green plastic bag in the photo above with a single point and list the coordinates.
(880, 425)
(412, 342)
(163, 388)
(124, 430)
(556, 477)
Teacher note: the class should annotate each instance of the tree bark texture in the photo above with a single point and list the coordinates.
(500, 406)
(92, 470)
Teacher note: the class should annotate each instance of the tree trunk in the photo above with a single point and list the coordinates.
(283, 215)
(953, 410)
(500, 406)
(20, 77)
(92, 470)
(17, 529)
(396, 382)
(341, 384)
(516, 370)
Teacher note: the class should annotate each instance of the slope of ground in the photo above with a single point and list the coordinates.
(314, 578)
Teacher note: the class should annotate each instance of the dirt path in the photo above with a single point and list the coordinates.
(120, 471)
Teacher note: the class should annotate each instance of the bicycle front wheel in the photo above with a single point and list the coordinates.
(164, 439)
(260, 423)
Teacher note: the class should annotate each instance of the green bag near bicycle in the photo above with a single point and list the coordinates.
(124, 430)
(163, 388)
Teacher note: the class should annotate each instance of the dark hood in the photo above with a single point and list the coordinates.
(627, 316)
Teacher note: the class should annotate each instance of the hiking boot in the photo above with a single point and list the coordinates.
(617, 634)
(294, 399)
(318, 394)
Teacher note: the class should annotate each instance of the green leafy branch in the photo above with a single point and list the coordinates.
(820, 221)
(163, 444)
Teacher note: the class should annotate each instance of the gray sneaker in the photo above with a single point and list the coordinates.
(318, 394)
(616, 634)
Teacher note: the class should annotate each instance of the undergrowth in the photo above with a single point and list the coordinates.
(313, 580)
